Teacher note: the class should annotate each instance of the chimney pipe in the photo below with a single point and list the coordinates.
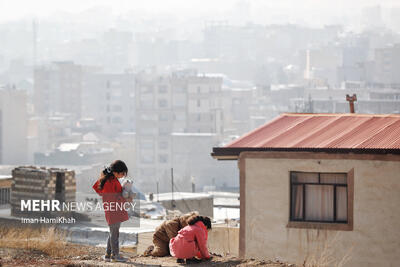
(351, 100)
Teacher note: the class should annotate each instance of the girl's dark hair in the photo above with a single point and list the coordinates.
(117, 166)
(194, 219)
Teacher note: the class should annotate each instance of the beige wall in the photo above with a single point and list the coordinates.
(223, 240)
(375, 240)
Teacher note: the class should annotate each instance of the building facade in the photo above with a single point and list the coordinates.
(387, 65)
(13, 126)
(58, 88)
(169, 103)
(110, 100)
(317, 187)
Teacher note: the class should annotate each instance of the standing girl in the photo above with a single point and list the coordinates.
(110, 189)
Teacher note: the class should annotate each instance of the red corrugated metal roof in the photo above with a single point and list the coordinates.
(327, 131)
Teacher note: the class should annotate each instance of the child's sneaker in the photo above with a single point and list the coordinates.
(106, 257)
(193, 261)
(118, 258)
(180, 261)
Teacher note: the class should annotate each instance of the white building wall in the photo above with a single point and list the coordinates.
(13, 127)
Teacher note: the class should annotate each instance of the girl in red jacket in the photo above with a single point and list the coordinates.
(110, 189)
(191, 240)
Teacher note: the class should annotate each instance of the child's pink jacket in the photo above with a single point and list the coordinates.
(191, 241)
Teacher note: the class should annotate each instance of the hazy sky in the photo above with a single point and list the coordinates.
(16, 9)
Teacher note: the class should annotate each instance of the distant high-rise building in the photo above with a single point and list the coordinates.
(387, 65)
(354, 66)
(171, 103)
(321, 64)
(395, 18)
(117, 46)
(58, 88)
(13, 126)
(110, 100)
(204, 105)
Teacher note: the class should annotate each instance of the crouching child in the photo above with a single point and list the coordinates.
(164, 232)
(191, 240)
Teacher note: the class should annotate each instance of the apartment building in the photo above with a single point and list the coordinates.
(179, 102)
(13, 126)
(58, 88)
(387, 65)
(108, 98)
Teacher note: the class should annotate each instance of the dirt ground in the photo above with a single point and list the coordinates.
(91, 257)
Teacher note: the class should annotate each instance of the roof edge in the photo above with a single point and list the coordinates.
(232, 153)
(340, 114)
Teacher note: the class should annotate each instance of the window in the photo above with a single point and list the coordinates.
(116, 83)
(163, 117)
(163, 158)
(146, 157)
(117, 120)
(179, 100)
(163, 145)
(146, 101)
(236, 101)
(163, 131)
(162, 103)
(146, 144)
(148, 116)
(178, 116)
(146, 89)
(4, 196)
(179, 89)
(162, 89)
(116, 94)
(319, 197)
(117, 108)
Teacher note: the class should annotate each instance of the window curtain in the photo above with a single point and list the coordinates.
(319, 202)
(341, 203)
(305, 177)
(297, 202)
(333, 178)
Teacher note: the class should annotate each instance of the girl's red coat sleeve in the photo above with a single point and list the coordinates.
(96, 187)
(111, 194)
(201, 238)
